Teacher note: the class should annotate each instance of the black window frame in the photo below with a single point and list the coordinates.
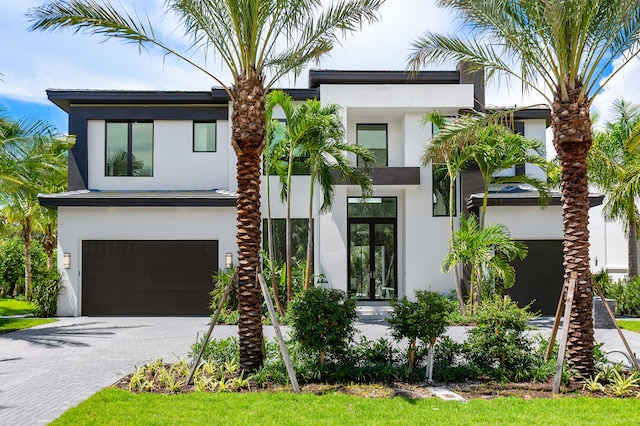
(193, 142)
(435, 166)
(386, 143)
(129, 153)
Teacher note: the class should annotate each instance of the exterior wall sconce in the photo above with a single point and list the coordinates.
(66, 262)
(228, 260)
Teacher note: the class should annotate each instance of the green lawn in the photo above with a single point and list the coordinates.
(113, 406)
(631, 325)
(12, 324)
(15, 307)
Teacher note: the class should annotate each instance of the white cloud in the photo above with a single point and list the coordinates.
(623, 85)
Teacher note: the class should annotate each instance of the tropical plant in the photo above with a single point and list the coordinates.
(33, 155)
(498, 148)
(561, 49)
(316, 134)
(450, 148)
(614, 166)
(489, 249)
(259, 41)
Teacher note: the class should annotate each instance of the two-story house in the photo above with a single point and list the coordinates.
(150, 211)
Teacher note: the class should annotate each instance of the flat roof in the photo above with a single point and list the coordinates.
(93, 198)
(318, 77)
(517, 195)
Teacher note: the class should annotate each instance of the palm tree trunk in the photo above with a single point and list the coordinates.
(274, 281)
(307, 270)
(27, 235)
(50, 242)
(288, 228)
(633, 242)
(248, 137)
(452, 241)
(572, 139)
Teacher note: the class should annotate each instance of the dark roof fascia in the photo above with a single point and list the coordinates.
(65, 98)
(536, 113)
(318, 77)
(523, 200)
(137, 199)
(301, 94)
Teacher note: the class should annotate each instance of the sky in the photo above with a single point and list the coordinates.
(31, 62)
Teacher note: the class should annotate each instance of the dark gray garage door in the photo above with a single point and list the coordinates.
(147, 277)
(539, 276)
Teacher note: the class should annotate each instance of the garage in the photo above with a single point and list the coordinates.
(539, 277)
(151, 277)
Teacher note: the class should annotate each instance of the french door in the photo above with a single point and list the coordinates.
(372, 258)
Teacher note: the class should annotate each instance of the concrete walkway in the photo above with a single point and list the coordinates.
(48, 369)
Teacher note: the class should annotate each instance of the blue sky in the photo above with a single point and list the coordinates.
(31, 62)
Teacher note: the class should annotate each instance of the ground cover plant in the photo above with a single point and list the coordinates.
(114, 406)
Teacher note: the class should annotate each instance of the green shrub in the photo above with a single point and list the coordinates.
(217, 351)
(322, 320)
(221, 280)
(44, 294)
(426, 319)
(12, 265)
(498, 344)
(280, 269)
(625, 292)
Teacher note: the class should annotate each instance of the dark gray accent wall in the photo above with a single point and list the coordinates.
(79, 116)
(477, 79)
(388, 176)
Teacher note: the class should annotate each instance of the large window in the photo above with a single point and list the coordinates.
(440, 180)
(204, 137)
(129, 149)
(299, 233)
(374, 137)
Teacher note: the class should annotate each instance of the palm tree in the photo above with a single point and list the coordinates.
(33, 157)
(326, 150)
(615, 168)
(450, 147)
(560, 49)
(497, 148)
(253, 38)
(489, 249)
(316, 133)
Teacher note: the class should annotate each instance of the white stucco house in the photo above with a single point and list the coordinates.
(150, 211)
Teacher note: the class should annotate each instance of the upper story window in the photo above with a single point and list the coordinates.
(129, 149)
(441, 190)
(204, 137)
(374, 137)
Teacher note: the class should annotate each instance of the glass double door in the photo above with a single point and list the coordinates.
(372, 258)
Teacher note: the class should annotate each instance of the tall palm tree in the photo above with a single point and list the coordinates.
(259, 41)
(562, 50)
(326, 149)
(316, 133)
(450, 147)
(33, 157)
(614, 167)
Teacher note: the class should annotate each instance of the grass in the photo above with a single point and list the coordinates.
(113, 406)
(13, 324)
(15, 307)
(631, 325)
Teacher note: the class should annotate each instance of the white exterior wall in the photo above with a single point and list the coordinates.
(175, 165)
(76, 224)
(528, 223)
(609, 247)
(421, 238)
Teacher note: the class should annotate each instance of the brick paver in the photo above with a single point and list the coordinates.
(48, 369)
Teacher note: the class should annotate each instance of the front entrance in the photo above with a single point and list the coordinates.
(372, 248)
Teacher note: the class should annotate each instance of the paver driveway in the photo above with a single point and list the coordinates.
(48, 369)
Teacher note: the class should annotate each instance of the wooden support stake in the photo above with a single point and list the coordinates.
(212, 324)
(556, 324)
(276, 328)
(613, 318)
(565, 331)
